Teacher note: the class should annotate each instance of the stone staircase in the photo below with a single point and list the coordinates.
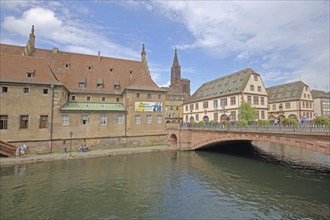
(7, 149)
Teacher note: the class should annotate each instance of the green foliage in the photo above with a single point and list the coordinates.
(242, 123)
(263, 123)
(321, 121)
(246, 112)
(201, 124)
(226, 123)
(289, 121)
(213, 123)
(193, 123)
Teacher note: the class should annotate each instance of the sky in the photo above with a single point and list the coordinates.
(283, 41)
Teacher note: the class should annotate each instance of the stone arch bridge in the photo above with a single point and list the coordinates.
(185, 138)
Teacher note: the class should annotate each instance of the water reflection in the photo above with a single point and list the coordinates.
(165, 185)
(273, 176)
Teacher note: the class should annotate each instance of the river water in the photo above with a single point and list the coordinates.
(240, 181)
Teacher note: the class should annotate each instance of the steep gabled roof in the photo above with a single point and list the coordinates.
(320, 94)
(285, 92)
(17, 68)
(223, 86)
(73, 68)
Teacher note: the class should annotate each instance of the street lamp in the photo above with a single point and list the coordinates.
(71, 133)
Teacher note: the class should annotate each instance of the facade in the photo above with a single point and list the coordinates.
(51, 98)
(177, 93)
(291, 100)
(173, 107)
(219, 99)
(321, 103)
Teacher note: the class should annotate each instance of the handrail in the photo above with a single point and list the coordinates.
(267, 128)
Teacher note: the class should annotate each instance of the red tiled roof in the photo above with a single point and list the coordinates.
(73, 68)
(16, 69)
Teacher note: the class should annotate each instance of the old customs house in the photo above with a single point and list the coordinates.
(50, 99)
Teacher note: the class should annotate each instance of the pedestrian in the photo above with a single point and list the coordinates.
(18, 151)
(303, 120)
(23, 149)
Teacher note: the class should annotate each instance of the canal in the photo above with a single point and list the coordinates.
(228, 181)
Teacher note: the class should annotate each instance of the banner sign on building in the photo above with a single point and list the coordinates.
(148, 106)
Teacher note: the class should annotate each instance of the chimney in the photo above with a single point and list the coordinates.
(55, 50)
(99, 56)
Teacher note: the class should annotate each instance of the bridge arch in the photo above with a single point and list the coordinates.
(173, 139)
(230, 138)
(194, 138)
(278, 139)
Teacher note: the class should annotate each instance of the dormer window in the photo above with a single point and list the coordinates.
(111, 69)
(67, 65)
(100, 84)
(116, 85)
(90, 67)
(82, 85)
(30, 74)
(130, 71)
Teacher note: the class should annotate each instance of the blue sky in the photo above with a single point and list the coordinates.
(283, 41)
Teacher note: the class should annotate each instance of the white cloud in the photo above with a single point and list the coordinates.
(17, 5)
(283, 36)
(43, 19)
(60, 28)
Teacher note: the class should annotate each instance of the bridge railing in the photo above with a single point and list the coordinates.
(274, 128)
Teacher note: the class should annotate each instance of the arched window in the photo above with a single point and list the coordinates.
(191, 120)
(271, 118)
(293, 116)
(224, 117)
(281, 117)
(206, 119)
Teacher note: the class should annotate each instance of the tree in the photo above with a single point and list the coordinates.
(246, 112)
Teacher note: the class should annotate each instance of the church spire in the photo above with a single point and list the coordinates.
(175, 60)
(176, 69)
(144, 60)
(30, 45)
(143, 52)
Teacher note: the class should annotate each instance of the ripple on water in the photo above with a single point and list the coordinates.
(164, 186)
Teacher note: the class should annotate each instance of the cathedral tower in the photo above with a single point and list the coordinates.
(175, 69)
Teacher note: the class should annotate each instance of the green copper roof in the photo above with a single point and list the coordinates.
(86, 106)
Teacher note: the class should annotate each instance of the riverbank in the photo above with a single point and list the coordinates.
(36, 158)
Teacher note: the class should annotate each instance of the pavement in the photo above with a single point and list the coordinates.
(93, 153)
